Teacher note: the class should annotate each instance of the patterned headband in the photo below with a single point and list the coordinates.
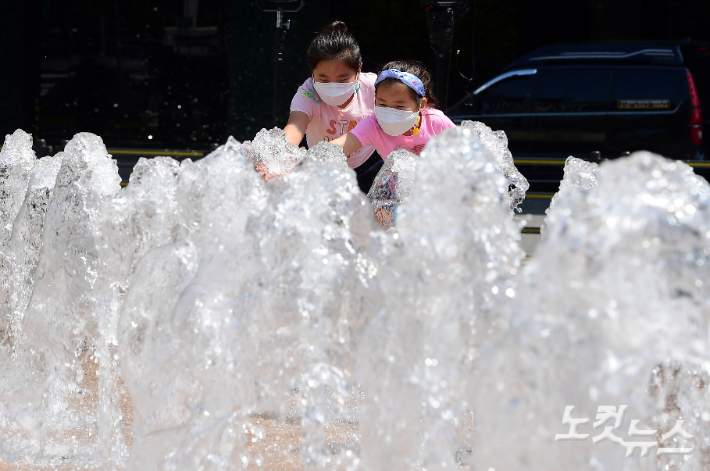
(412, 81)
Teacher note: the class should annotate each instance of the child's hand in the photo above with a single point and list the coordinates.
(272, 155)
(386, 215)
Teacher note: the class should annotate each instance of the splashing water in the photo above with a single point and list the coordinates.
(392, 186)
(271, 155)
(617, 287)
(448, 274)
(496, 142)
(16, 161)
(208, 316)
(395, 180)
(579, 176)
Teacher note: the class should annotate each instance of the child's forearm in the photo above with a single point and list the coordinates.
(348, 142)
(296, 127)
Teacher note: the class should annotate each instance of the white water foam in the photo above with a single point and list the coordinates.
(204, 318)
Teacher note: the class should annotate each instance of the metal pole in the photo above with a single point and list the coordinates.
(281, 28)
(441, 33)
(103, 35)
(441, 16)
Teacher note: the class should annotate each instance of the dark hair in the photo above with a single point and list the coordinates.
(418, 70)
(334, 42)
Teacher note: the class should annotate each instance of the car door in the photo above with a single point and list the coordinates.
(503, 104)
(569, 106)
(649, 110)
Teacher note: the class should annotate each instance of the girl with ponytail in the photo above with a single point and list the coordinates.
(335, 98)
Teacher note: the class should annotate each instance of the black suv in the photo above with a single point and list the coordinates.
(600, 100)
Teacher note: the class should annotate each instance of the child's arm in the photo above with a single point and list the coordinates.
(348, 142)
(296, 127)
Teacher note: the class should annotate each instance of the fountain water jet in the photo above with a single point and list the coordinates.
(616, 288)
(202, 318)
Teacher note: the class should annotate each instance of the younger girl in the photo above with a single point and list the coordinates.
(405, 117)
(335, 98)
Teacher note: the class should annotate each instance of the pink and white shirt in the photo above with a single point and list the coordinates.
(369, 133)
(330, 122)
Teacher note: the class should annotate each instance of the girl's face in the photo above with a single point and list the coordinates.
(397, 95)
(334, 71)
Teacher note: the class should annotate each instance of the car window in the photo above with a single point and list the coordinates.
(646, 89)
(506, 96)
(569, 90)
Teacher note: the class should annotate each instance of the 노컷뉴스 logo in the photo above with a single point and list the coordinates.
(605, 414)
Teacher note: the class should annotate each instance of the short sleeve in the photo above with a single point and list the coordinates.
(303, 100)
(365, 130)
(443, 122)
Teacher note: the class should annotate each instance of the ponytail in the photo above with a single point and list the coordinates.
(334, 42)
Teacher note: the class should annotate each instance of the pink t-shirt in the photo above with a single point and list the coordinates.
(330, 122)
(369, 133)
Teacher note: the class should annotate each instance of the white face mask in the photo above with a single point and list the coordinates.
(395, 122)
(335, 93)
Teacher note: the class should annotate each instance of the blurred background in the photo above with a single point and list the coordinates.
(185, 74)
